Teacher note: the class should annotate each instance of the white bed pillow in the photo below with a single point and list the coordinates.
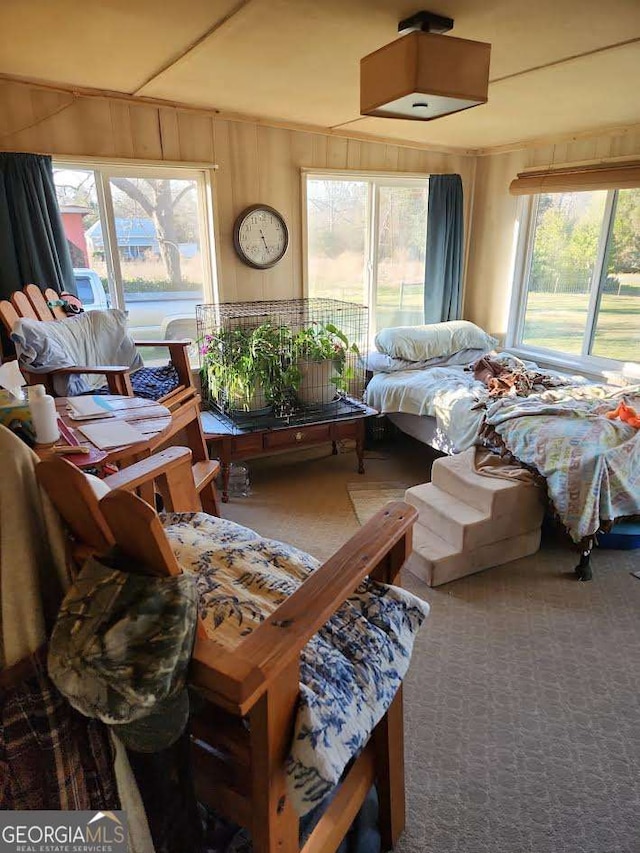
(378, 362)
(418, 343)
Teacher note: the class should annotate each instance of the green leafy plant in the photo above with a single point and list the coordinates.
(247, 368)
(326, 342)
(241, 366)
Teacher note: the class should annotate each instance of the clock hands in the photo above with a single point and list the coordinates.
(260, 236)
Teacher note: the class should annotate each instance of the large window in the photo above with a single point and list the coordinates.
(581, 277)
(139, 241)
(366, 241)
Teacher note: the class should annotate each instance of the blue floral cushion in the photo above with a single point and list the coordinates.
(350, 670)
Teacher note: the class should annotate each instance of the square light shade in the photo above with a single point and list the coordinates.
(424, 76)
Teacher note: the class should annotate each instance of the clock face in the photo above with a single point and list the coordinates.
(260, 236)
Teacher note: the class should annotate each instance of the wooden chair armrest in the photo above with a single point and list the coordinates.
(378, 549)
(179, 356)
(225, 677)
(117, 376)
(105, 370)
(149, 469)
(170, 344)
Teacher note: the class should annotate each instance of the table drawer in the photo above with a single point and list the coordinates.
(299, 436)
(347, 429)
(251, 443)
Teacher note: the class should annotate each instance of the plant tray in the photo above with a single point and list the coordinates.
(266, 419)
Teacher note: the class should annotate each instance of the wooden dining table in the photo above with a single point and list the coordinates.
(151, 419)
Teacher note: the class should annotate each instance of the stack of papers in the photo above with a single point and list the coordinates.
(88, 408)
(116, 433)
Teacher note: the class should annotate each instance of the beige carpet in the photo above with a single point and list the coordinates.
(522, 703)
(302, 497)
(368, 498)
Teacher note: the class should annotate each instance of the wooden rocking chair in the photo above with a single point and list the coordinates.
(183, 401)
(240, 768)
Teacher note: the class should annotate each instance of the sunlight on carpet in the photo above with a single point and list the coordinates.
(368, 498)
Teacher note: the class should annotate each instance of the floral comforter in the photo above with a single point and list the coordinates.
(591, 464)
(350, 671)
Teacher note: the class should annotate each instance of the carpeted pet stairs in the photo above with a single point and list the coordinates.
(470, 521)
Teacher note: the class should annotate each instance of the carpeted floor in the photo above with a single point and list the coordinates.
(368, 498)
(522, 704)
(302, 497)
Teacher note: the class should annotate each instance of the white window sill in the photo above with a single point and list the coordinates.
(600, 369)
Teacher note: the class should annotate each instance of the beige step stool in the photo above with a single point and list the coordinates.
(469, 521)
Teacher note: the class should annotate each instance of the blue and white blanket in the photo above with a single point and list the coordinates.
(350, 670)
(591, 464)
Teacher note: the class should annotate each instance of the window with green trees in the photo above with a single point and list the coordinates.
(366, 243)
(582, 280)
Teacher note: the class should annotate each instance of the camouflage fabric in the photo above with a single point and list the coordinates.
(120, 650)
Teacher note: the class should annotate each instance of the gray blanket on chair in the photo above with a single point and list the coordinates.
(91, 339)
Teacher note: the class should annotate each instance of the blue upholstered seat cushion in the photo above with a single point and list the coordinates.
(350, 670)
(152, 383)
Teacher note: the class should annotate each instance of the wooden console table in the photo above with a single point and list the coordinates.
(231, 443)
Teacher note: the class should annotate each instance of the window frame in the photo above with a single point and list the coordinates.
(593, 365)
(104, 169)
(374, 181)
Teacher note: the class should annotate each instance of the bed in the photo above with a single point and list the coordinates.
(590, 462)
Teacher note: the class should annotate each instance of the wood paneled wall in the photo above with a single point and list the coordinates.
(256, 163)
(260, 163)
(491, 259)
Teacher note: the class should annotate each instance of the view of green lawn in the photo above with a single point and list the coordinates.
(557, 321)
(569, 229)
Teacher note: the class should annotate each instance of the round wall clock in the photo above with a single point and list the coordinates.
(260, 236)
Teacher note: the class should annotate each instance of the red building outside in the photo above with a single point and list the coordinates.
(72, 220)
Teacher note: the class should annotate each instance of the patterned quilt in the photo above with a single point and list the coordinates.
(350, 671)
(591, 464)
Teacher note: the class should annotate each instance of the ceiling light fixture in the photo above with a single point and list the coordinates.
(453, 73)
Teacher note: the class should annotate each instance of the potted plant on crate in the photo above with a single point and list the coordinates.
(320, 358)
(247, 369)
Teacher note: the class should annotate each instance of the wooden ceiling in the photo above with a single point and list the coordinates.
(558, 66)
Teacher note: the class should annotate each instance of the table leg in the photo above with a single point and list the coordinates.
(334, 448)
(225, 467)
(360, 446)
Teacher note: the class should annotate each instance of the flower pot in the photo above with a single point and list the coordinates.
(252, 400)
(316, 386)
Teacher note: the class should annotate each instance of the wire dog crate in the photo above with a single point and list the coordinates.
(286, 362)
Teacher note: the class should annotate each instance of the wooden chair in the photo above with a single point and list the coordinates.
(242, 736)
(183, 401)
(31, 302)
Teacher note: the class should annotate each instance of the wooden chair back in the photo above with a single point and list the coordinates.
(168, 472)
(121, 517)
(77, 504)
(137, 530)
(31, 303)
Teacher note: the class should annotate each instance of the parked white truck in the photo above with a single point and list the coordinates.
(165, 316)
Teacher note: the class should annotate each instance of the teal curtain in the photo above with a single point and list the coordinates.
(445, 246)
(33, 245)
